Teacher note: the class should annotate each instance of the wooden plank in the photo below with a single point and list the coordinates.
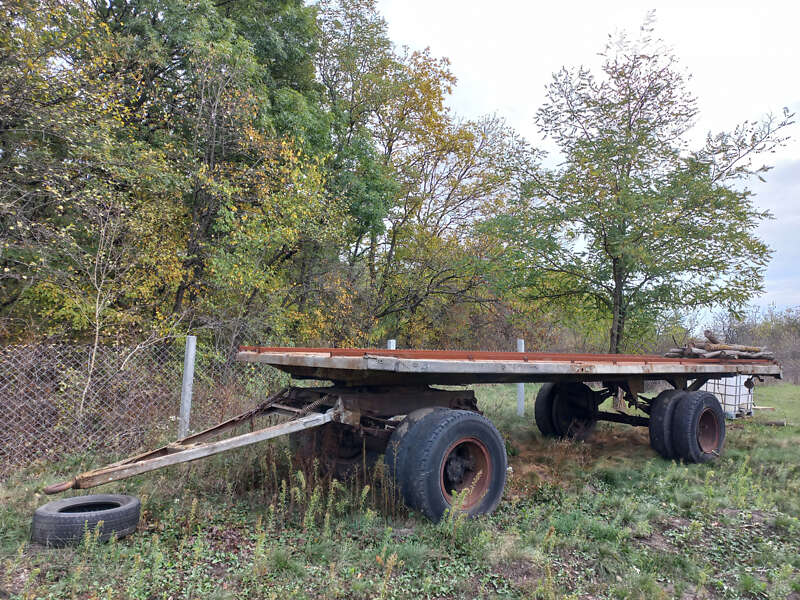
(371, 368)
(196, 451)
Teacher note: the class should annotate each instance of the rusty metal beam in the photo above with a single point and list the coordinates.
(621, 418)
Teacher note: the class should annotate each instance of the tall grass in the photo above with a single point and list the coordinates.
(604, 518)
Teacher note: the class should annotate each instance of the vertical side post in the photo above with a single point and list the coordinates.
(391, 344)
(520, 386)
(186, 387)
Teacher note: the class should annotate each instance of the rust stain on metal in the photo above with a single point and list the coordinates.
(596, 359)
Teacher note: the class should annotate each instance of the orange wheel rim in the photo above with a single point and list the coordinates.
(466, 466)
(708, 431)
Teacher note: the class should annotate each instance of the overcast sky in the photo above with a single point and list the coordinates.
(744, 59)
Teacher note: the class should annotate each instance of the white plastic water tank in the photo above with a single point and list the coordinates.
(734, 396)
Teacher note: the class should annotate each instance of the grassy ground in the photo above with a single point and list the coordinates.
(602, 519)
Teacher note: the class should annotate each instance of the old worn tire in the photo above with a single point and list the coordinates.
(698, 427)
(454, 446)
(660, 425)
(64, 522)
(395, 458)
(573, 411)
(543, 410)
(330, 446)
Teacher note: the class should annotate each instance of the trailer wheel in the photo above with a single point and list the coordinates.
(340, 452)
(395, 459)
(698, 427)
(64, 522)
(660, 425)
(565, 410)
(461, 453)
(543, 410)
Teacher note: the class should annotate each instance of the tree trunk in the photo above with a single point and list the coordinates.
(617, 313)
(617, 330)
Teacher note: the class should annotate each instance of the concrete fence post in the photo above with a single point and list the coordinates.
(186, 387)
(520, 386)
(391, 344)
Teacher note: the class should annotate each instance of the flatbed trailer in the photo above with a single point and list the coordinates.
(438, 448)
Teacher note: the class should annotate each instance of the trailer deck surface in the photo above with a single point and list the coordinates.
(368, 366)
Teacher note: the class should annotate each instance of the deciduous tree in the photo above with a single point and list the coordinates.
(635, 221)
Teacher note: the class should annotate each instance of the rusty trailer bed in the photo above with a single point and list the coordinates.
(370, 367)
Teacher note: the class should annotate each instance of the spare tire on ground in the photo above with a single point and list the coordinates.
(65, 522)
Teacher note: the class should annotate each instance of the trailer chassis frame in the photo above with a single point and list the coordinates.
(363, 408)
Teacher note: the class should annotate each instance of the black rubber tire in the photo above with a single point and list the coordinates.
(543, 410)
(573, 411)
(439, 440)
(698, 415)
(660, 425)
(565, 410)
(395, 458)
(418, 431)
(64, 522)
(340, 461)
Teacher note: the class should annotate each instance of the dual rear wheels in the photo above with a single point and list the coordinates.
(687, 425)
(437, 458)
(683, 425)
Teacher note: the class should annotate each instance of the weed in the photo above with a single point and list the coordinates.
(602, 519)
(546, 589)
(387, 563)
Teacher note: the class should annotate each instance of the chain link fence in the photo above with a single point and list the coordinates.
(62, 400)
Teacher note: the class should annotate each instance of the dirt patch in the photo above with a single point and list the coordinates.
(18, 581)
(518, 572)
(673, 522)
(656, 541)
(226, 539)
(612, 441)
(749, 517)
(538, 460)
(533, 464)
(690, 593)
(527, 469)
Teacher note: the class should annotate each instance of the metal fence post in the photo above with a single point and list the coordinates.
(520, 386)
(186, 387)
(391, 344)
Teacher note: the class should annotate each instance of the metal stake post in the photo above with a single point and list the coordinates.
(520, 386)
(186, 387)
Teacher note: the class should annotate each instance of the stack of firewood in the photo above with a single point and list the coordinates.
(713, 348)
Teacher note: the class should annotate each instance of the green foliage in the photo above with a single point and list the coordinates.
(634, 223)
(280, 172)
